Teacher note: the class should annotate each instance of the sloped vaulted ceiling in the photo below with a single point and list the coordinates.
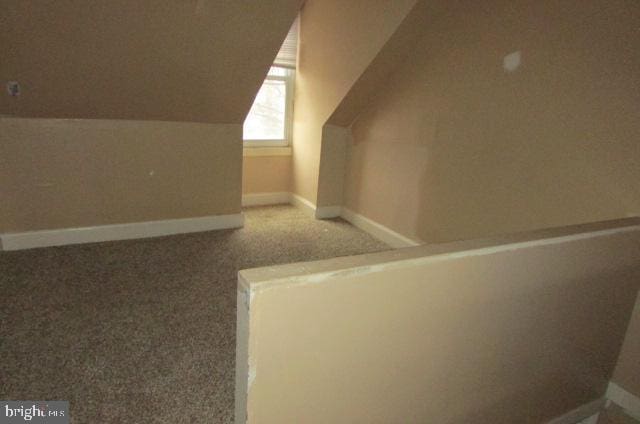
(171, 60)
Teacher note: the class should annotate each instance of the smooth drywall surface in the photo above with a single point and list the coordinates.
(518, 331)
(335, 140)
(627, 374)
(58, 173)
(338, 39)
(391, 55)
(266, 174)
(174, 60)
(460, 143)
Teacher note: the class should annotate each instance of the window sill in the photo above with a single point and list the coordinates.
(266, 151)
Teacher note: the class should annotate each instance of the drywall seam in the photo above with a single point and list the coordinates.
(624, 399)
(582, 414)
(65, 236)
(326, 212)
(308, 207)
(320, 277)
(378, 231)
(262, 199)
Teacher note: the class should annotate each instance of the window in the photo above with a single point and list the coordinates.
(270, 119)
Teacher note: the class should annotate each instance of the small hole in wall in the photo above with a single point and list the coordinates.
(512, 61)
(13, 88)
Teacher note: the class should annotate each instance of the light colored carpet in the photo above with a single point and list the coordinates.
(143, 331)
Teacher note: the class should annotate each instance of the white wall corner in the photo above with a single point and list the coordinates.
(135, 230)
(302, 203)
(624, 399)
(378, 231)
(326, 212)
(263, 199)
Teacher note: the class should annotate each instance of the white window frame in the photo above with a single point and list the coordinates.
(289, 80)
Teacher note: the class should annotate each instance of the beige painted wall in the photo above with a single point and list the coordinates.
(516, 330)
(58, 173)
(266, 174)
(335, 140)
(163, 63)
(338, 40)
(455, 147)
(175, 60)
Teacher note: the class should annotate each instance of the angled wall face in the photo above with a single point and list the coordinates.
(335, 140)
(520, 329)
(157, 93)
(338, 40)
(398, 47)
(456, 146)
(196, 60)
(336, 135)
(467, 139)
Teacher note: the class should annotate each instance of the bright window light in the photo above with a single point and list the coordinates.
(269, 120)
(266, 118)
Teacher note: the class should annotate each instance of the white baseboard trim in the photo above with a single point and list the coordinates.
(262, 199)
(375, 229)
(378, 231)
(302, 203)
(325, 212)
(65, 236)
(624, 399)
(585, 414)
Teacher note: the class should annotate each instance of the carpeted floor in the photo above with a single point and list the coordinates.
(143, 331)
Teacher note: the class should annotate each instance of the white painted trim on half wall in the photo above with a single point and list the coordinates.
(378, 231)
(263, 199)
(135, 230)
(624, 399)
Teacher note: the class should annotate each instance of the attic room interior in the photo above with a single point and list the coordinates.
(320, 211)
